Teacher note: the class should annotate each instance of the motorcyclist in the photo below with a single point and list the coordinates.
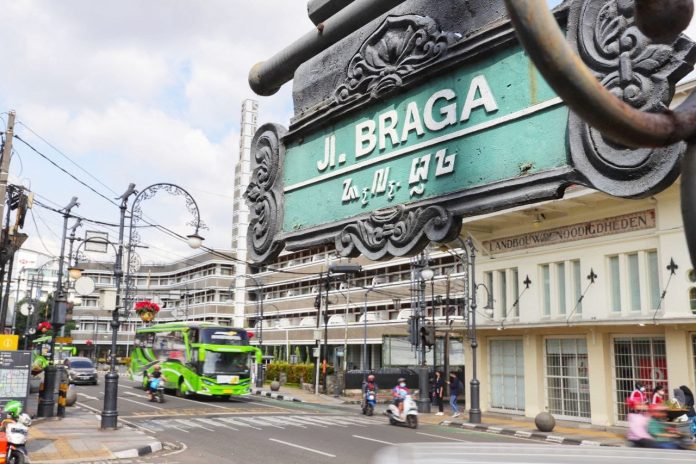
(11, 413)
(370, 384)
(152, 384)
(399, 393)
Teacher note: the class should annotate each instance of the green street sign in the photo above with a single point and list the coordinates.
(427, 114)
(486, 122)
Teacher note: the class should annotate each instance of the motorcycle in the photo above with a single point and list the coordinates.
(15, 439)
(158, 394)
(369, 402)
(409, 417)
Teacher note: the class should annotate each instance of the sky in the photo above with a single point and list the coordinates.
(143, 92)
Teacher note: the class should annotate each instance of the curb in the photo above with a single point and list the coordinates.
(276, 396)
(142, 451)
(541, 436)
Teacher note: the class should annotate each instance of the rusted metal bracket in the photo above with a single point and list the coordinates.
(539, 34)
(663, 21)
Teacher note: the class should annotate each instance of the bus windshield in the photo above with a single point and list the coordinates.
(217, 363)
(223, 336)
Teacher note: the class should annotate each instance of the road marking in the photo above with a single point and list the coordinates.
(192, 424)
(373, 439)
(440, 436)
(241, 424)
(284, 421)
(89, 397)
(215, 423)
(256, 421)
(304, 448)
(141, 403)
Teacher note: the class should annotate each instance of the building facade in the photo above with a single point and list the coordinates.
(199, 288)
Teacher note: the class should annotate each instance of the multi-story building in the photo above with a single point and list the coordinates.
(240, 211)
(199, 288)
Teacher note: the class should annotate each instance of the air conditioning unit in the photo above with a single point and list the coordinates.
(343, 286)
(291, 293)
(314, 289)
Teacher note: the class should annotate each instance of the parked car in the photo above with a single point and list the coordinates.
(81, 370)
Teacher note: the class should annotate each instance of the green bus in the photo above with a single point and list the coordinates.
(196, 358)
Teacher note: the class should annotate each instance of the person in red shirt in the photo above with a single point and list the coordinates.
(637, 396)
(659, 395)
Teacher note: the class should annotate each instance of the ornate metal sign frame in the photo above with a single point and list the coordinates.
(402, 51)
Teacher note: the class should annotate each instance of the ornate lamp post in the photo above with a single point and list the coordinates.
(109, 414)
(60, 305)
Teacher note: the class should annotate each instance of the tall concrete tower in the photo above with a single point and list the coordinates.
(240, 214)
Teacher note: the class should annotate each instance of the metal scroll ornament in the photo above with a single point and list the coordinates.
(397, 232)
(264, 195)
(399, 47)
(642, 74)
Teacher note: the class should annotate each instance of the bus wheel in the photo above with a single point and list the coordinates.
(183, 390)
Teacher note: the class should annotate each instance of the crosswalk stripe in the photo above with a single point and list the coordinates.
(283, 421)
(234, 422)
(189, 423)
(215, 423)
(315, 419)
(257, 421)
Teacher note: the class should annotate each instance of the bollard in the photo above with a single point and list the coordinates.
(62, 393)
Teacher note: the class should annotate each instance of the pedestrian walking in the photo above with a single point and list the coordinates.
(438, 392)
(456, 387)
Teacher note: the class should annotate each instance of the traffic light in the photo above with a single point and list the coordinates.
(428, 335)
(413, 330)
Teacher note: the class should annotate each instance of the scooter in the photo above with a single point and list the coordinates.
(369, 402)
(158, 394)
(410, 414)
(16, 435)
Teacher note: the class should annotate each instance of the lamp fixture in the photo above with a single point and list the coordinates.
(195, 240)
(75, 272)
(427, 273)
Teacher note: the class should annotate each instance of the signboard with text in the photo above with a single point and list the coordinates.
(15, 373)
(426, 115)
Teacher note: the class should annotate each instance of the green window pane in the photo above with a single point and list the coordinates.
(654, 279)
(546, 283)
(615, 283)
(561, 288)
(634, 282)
(577, 285)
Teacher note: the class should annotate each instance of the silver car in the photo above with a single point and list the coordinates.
(81, 370)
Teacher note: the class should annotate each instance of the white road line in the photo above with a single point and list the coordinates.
(303, 447)
(283, 421)
(373, 439)
(199, 403)
(142, 404)
(89, 397)
(190, 423)
(444, 438)
(295, 421)
(241, 424)
(315, 419)
(260, 422)
(215, 423)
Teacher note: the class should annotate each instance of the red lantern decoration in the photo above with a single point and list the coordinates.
(146, 310)
(44, 327)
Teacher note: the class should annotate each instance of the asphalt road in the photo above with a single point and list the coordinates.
(254, 430)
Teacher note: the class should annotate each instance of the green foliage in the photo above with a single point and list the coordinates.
(294, 372)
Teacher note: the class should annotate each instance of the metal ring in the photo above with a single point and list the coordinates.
(565, 72)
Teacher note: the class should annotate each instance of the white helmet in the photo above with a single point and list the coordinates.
(24, 419)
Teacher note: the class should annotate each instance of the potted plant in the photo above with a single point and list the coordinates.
(146, 310)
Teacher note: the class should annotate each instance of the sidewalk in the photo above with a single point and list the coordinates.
(77, 437)
(565, 432)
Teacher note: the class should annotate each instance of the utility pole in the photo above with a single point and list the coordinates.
(5, 160)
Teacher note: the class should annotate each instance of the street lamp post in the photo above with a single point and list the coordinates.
(109, 414)
(259, 318)
(60, 304)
